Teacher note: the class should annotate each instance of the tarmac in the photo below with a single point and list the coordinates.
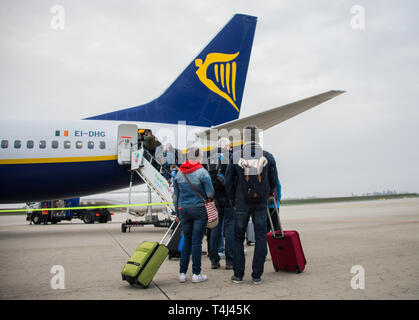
(377, 240)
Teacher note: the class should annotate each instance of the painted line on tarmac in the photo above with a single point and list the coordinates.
(127, 253)
(118, 243)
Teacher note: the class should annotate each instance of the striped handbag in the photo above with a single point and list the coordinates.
(212, 214)
(210, 207)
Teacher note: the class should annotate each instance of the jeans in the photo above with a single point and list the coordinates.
(226, 215)
(166, 171)
(194, 221)
(259, 218)
(221, 248)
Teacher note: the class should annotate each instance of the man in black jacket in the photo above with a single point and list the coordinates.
(251, 178)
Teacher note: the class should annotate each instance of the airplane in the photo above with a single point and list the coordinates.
(43, 160)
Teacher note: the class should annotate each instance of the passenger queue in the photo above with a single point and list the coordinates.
(241, 188)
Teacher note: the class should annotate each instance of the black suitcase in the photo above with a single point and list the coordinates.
(173, 244)
(208, 234)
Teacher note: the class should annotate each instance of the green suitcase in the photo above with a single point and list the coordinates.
(145, 262)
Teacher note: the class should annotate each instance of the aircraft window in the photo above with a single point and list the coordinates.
(42, 144)
(102, 145)
(54, 144)
(4, 144)
(29, 144)
(67, 144)
(79, 144)
(90, 144)
(18, 144)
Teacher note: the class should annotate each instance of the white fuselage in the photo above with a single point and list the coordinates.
(42, 160)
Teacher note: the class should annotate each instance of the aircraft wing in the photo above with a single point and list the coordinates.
(267, 119)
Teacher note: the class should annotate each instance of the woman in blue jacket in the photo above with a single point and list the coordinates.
(191, 211)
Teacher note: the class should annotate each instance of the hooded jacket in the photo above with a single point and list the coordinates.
(184, 195)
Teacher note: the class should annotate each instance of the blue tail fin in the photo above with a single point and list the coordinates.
(210, 90)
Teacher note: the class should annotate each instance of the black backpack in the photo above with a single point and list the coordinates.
(253, 180)
(214, 169)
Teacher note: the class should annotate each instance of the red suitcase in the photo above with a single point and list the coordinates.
(285, 248)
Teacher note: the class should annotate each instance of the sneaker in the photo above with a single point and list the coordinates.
(182, 277)
(257, 280)
(236, 279)
(229, 266)
(199, 278)
(215, 265)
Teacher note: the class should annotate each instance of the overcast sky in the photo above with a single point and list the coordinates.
(117, 54)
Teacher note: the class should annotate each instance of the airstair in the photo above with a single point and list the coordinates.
(141, 162)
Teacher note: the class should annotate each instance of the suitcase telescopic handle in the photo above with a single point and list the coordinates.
(274, 234)
(168, 230)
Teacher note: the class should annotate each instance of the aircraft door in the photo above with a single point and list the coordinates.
(127, 142)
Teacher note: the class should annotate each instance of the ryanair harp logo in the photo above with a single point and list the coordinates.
(225, 75)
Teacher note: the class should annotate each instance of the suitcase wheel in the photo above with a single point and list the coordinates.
(297, 269)
(275, 267)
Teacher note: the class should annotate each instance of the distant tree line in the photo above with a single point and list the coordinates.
(380, 193)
